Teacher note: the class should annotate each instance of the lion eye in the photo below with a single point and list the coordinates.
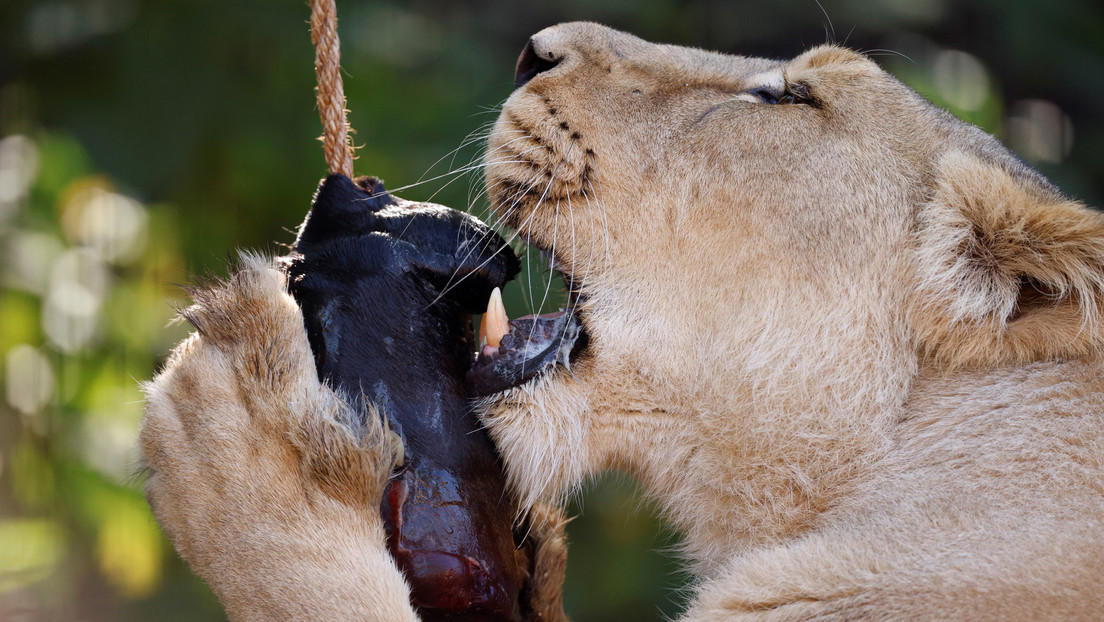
(777, 94)
(769, 94)
(772, 87)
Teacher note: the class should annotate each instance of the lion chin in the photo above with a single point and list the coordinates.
(850, 346)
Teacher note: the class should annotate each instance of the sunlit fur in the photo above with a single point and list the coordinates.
(850, 345)
(258, 472)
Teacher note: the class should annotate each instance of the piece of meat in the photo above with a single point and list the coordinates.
(387, 288)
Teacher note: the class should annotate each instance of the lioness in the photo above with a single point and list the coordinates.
(849, 344)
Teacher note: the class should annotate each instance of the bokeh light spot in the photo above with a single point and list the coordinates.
(1040, 131)
(110, 224)
(29, 379)
(30, 549)
(70, 316)
(960, 79)
(129, 549)
(29, 258)
(79, 281)
(18, 166)
(108, 435)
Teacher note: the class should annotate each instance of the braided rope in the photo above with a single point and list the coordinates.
(331, 93)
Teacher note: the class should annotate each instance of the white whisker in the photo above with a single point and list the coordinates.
(452, 284)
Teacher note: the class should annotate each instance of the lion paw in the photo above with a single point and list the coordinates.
(266, 480)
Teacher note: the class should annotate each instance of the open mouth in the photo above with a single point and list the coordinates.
(525, 172)
(512, 352)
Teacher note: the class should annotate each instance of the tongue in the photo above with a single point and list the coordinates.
(513, 352)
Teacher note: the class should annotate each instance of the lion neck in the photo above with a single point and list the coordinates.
(792, 413)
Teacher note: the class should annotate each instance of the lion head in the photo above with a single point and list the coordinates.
(764, 257)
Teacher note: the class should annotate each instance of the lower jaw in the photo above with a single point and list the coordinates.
(533, 345)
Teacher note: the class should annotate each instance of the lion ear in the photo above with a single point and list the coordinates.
(1009, 270)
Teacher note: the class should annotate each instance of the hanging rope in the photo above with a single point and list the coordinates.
(331, 93)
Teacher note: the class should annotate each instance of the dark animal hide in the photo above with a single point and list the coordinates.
(387, 288)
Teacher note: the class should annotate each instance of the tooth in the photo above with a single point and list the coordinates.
(495, 322)
(398, 449)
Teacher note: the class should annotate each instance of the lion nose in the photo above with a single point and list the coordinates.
(531, 62)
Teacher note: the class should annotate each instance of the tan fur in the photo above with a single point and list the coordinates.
(851, 347)
(982, 236)
(254, 471)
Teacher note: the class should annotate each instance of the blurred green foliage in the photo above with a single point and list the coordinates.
(142, 141)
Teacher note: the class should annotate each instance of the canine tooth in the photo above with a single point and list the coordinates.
(398, 449)
(495, 322)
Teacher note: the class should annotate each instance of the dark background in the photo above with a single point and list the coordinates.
(142, 141)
